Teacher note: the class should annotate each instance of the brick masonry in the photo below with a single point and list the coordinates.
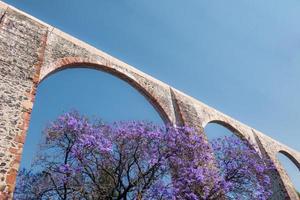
(31, 50)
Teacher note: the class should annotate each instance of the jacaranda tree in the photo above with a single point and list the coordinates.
(84, 159)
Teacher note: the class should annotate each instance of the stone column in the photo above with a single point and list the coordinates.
(22, 41)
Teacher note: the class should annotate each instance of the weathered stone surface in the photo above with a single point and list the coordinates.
(31, 50)
(20, 43)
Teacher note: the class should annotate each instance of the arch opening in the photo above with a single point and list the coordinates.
(74, 62)
(91, 93)
(238, 163)
(291, 167)
(217, 128)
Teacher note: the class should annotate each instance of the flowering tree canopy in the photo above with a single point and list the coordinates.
(83, 159)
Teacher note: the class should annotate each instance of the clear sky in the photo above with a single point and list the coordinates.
(241, 57)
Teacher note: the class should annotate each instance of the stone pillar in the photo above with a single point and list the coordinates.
(21, 47)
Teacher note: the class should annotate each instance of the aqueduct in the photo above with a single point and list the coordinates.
(31, 50)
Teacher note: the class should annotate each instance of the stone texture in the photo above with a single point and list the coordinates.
(31, 50)
(20, 44)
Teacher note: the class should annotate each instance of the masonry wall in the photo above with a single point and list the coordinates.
(31, 50)
(21, 40)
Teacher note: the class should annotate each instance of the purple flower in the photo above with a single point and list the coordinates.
(81, 157)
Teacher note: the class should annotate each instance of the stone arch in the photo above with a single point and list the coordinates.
(228, 126)
(242, 133)
(118, 72)
(284, 169)
(292, 158)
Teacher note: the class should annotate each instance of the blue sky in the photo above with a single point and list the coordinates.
(241, 57)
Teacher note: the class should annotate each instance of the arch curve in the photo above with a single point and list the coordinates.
(292, 158)
(119, 72)
(228, 126)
